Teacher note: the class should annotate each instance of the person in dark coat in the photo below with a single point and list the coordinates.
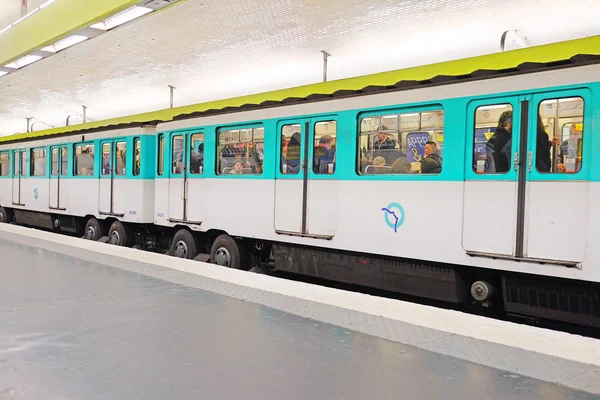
(432, 163)
(498, 141)
(543, 145)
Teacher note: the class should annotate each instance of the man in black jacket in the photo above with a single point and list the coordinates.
(432, 163)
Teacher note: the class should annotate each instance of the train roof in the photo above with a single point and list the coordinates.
(528, 60)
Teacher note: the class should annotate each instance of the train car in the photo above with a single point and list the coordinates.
(342, 189)
(475, 187)
(95, 184)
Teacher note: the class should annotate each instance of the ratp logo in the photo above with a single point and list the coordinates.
(394, 216)
(36, 193)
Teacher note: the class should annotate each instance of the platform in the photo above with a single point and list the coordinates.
(80, 322)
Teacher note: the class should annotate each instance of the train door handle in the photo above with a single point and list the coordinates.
(516, 160)
(530, 157)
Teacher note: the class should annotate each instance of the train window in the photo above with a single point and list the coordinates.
(291, 143)
(4, 164)
(406, 143)
(121, 158)
(54, 161)
(241, 151)
(559, 146)
(38, 162)
(197, 153)
(106, 159)
(177, 160)
(324, 147)
(161, 155)
(137, 156)
(64, 169)
(16, 165)
(84, 160)
(492, 139)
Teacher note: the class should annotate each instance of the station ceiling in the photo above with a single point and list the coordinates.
(214, 49)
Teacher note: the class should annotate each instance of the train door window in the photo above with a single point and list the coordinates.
(137, 156)
(197, 153)
(291, 144)
(17, 169)
(121, 158)
(493, 139)
(54, 162)
(4, 164)
(84, 160)
(241, 151)
(23, 163)
(559, 147)
(64, 169)
(38, 162)
(405, 143)
(106, 163)
(177, 154)
(161, 155)
(324, 147)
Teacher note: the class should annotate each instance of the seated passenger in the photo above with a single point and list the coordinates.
(570, 151)
(324, 156)
(401, 166)
(432, 163)
(378, 166)
(238, 169)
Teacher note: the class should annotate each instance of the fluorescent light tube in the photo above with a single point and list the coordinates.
(20, 63)
(121, 18)
(65, 43)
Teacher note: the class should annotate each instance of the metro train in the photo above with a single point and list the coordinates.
(473, 188)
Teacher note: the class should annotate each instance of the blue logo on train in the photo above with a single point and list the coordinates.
(394, 216)
(35, 193)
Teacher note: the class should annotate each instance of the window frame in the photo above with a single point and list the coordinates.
(136, 170)
(33, 158)
(233, 128)
(74, 158)
(160, 159)
(8, 153)
(398, 111)
(557, 96)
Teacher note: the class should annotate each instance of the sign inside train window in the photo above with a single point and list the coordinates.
(415, 143)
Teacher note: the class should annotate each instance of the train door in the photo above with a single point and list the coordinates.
(513, 204)
(194, 188)
(58, 183)
(178, 177)
(557, 194)
(305, 184)
(114, 157)
(19, 170)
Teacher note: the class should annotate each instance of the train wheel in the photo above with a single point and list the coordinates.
(5, 216)
(230, 253)
(184, 245)
(120, 235)
(94, 229)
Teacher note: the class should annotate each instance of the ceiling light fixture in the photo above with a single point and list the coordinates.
(65, 43)
(20, 63)
(122, 17)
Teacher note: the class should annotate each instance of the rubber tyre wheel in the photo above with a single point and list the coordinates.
(124, 234)
(185, 236)
(6, 216)
(98, 228)
(238, 254)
